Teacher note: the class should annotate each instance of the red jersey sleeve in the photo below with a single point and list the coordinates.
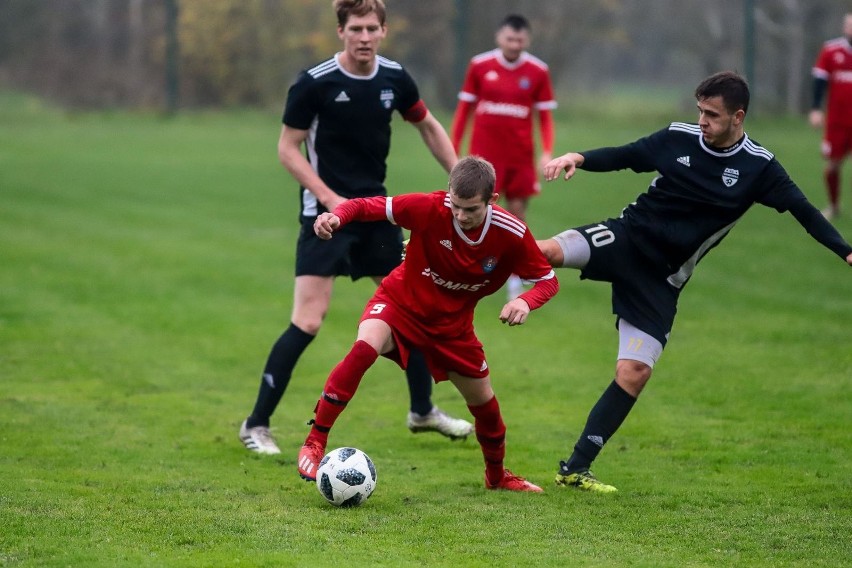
(460, 119)
(531, 265)
(406, 210)
(362, 209)
(545, 122)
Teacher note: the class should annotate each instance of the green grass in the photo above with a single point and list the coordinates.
(146, 268)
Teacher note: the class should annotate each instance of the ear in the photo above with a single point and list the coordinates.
(493, 199)
(739, 116)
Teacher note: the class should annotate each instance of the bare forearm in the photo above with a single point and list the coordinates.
(302, 172)
(437, 141)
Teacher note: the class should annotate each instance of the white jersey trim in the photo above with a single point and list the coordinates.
(679, 278)
(746, 144)
(511, 224)
(310, 205)
(498, 55)
(324, 68)
(492, 218)
(389, 209)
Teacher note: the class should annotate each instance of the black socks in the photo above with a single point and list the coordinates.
(605, 418)
(419, 383)
(276, 375)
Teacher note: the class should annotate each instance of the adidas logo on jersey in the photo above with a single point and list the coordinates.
(447, 244)
(683, 160)
(342, 97)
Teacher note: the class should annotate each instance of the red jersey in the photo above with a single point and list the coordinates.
(834, 64)
(505, 94)
(446, 270)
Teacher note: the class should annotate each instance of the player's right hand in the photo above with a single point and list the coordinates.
(568, 162)
(325, 225)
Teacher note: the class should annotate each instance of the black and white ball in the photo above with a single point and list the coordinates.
(346, 477)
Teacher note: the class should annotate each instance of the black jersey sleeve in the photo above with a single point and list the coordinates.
(302, 100)
(409, 95)
(820, 229)
(784, 195)
(638, 156)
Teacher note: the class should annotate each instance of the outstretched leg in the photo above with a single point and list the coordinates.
(638, 352)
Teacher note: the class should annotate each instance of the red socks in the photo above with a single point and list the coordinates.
(832, 182)
(491, 434)
(340, 388)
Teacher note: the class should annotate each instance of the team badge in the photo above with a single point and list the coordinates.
(730, 176)
(386, 97)
(524, 83)
(489, 264)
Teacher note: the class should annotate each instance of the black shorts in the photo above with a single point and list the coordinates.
(641, 293)
(356, 250)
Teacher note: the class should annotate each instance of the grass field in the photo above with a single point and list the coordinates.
(146, 268)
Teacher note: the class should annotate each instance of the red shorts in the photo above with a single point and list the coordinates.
(461, 353)
(836, 142)
(516, 181)
(516, 176)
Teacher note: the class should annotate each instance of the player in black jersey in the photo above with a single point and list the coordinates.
(708, 175)
(341, 111)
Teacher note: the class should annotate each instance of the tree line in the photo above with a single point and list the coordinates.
(236, 53)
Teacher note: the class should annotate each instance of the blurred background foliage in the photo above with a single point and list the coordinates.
(237, 53)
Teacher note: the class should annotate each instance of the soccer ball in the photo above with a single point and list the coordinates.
(346, 477)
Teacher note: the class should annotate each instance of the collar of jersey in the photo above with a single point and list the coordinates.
(353, 76)
(510, 64)
(727, 152)
(485, 225)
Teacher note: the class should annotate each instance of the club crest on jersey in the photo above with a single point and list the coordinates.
(489, 264)
(730, 176)
(524, 83)
(386, 96)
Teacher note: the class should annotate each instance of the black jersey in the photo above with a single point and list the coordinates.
(700, 194)
(349, 122)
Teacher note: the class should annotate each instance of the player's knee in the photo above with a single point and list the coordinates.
(309, 322)
(632, 375)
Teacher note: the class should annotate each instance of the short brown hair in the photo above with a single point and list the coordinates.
(473, 176)
(347, 8)
(726, 84)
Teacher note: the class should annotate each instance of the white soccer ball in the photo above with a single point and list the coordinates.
(346, 477)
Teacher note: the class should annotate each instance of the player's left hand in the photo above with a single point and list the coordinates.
(515, 312)
(849, 259)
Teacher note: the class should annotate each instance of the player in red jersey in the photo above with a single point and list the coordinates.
(502, 89)
(833, 72)
(463, 247)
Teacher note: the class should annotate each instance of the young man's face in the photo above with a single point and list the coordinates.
(718, 127)
(512, 42)
(469, 213)
(361, 37)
